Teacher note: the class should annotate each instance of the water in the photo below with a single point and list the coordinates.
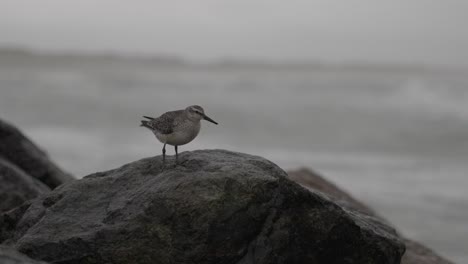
(397, 140)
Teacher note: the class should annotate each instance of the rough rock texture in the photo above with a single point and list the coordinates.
(419, 254)
(10, 256)
(215, 207)
(16, 186)
(314, 182)
(9, 220)
(415, 252)
(20, 151)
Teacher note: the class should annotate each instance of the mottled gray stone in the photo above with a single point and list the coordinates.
(215, 207)
(23, 153)
(16, 186)
(11, 256)
(416, 253)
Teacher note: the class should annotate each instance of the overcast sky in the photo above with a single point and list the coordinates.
(398, 31)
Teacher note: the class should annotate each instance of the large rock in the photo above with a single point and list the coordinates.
(316, 183)
(215, 207)
(416, 253)
(24, 154)
(16, 186)
(10, 256)
(419, 254)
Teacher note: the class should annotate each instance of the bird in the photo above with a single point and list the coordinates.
(176, 128)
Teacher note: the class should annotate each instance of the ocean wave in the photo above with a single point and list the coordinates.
(432, 97)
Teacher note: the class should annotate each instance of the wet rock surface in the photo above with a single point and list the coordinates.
(11, 256)
(18, 150)
(215, 207)
(416, 253)
(17, 187)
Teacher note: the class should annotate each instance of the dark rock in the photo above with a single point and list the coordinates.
(314, 182)
(419, 254)
(215, 207)
(16, 186)
(9, 220)
(415, 253)
(20, 151)
(11, 256)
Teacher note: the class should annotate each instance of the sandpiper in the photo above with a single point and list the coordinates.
(176, 128)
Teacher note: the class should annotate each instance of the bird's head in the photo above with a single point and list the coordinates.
(196, 112)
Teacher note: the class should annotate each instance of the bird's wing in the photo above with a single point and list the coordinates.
(166, 122)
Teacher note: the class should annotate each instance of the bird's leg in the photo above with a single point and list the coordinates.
(176, 155)
(164, 154)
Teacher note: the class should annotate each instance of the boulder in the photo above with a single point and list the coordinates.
(416, 253)
(9, 220)
(24, 154)
(216, 206)
(11, 256)
(419, 254)
(316, 183)
(17, 187)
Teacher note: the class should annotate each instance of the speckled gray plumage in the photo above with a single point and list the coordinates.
(166, 123)
(177, 128)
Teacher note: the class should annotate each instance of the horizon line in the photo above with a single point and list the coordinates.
(227, 60)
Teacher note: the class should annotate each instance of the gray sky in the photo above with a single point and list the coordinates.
(398, 31)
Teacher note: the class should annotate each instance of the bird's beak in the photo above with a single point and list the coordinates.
(209, 119)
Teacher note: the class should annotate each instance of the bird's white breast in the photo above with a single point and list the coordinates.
(183, 134)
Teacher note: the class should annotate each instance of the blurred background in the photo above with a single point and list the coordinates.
(371, 94)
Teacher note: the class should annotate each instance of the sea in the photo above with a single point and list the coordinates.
(396, 137)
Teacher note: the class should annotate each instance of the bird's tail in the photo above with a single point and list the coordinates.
(145, 123)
